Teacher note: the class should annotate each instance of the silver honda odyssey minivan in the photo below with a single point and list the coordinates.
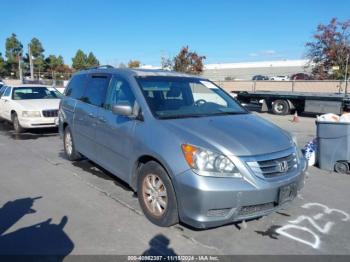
(190, 150)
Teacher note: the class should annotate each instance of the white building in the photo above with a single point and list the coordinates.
(150, 67)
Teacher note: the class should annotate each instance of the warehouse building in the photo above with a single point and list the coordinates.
(246, 70)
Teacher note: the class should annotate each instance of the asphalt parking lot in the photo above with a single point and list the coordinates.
(49, 205)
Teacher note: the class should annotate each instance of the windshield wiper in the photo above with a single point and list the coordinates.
(181, 116)
(201, 115)
(230, 113)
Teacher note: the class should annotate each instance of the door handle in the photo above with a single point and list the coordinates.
(102, 119)
(91, 115)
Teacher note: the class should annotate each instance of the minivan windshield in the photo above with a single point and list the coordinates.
(24, 93)
(181, 97)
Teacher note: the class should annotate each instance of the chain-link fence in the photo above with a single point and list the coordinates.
(48, 82)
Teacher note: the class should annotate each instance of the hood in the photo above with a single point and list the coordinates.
(39, 104)
(240, 135)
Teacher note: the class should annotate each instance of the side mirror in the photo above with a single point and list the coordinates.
(122, 110)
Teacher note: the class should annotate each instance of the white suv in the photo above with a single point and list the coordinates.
(30, 106)
(279, 78)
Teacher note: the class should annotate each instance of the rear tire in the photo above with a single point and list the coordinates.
(156, 195)
(16, 125)
(342, 167)
(281, 107)
(69, 147)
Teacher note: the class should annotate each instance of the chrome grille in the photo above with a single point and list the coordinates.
(274, 167)
(50, 113)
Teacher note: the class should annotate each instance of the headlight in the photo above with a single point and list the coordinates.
(31, 114)
(295, 140)
(298, 151)
(207, 163)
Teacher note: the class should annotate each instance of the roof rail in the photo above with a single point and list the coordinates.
(101, 66)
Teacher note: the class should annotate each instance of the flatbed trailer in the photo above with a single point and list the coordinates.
(283, 102)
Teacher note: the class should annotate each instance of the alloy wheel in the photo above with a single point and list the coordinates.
(68, 143)
(154, 195)
(279, 108)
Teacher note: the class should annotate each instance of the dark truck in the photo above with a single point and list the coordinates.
(284, 102)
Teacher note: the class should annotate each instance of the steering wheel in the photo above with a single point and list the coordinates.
(200, 102)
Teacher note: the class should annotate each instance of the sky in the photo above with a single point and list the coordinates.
(117, 31)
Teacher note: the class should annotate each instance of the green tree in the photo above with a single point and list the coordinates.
(2, 66)
(14, 49)
(54, 63)
(60, 60)
(92, 60)
(63, 72)
(57, 67)
(36, 48)
(330, 48)
(37, 51)
(79, 60)
(134, 64)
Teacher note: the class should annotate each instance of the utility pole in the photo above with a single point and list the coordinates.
(346, 74)
(20, 67)
(31, 63)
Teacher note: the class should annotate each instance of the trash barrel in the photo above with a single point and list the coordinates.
(333, 146)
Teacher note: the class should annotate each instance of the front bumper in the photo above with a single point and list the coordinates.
(38, 122)
(206, 202)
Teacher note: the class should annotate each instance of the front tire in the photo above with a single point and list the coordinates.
(16, 125)
(69, 147)
(156, 195)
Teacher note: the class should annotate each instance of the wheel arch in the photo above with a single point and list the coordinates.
(297, 104)
(142, 160)
(291, 104)
(12, 113)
